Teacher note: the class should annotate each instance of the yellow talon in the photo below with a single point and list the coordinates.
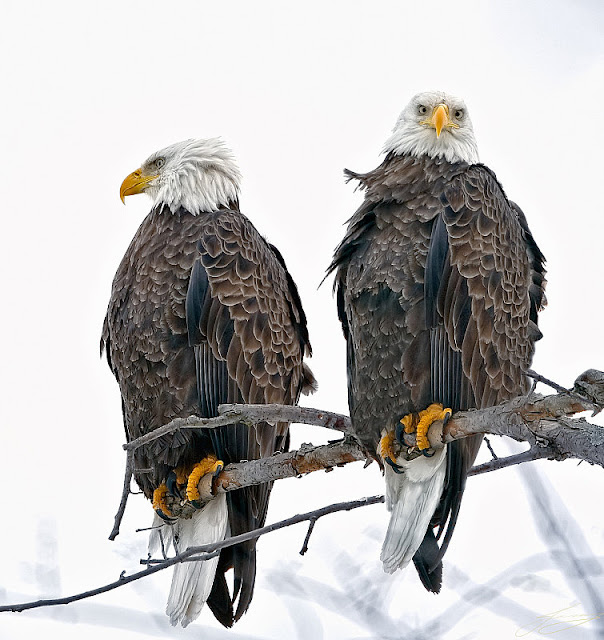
(211, 464)
(429, 415)
(159, 499)
(409, 422)
(420, 423)
(386, 446)
(181, 475)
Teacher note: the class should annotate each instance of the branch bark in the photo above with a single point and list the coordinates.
(542, 421)
(249, 414)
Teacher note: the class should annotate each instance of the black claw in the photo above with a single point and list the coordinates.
(396, 467)
(426, 453)
(198, 504)
(172, 486)
(216, 473)
(164, 517)
(447, 418)
(399, 432)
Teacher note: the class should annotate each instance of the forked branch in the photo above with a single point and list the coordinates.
(543, 422)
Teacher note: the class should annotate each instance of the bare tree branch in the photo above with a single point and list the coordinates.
(534, 453)
(537, 377)
(588, 386)
(199, 553)
(125, 493)
(311, 528)
(541, 421)
(524, 418)
(291, 464)
(249, 414)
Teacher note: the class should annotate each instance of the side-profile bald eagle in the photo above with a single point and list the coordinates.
(439, 283)
(203, 311)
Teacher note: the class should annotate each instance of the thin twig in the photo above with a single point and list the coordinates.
(534, 453)
(311, 527)
(201, 558)
(537, 377)
(249, 414)
(125, 492)
(490, 448)
(302, 415)
(550, 383)
(192, 422)
(143, 529)
(203, 551)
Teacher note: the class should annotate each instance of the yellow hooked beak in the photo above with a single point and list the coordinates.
(135, 183)
(440, 119)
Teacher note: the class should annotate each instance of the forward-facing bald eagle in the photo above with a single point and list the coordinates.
(203, 311)
(439, 283)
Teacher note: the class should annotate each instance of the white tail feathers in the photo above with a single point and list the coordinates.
(192, 581)
(412, 496)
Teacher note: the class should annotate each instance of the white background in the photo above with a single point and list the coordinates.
(299, 91)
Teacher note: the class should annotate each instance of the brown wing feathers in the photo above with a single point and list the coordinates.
(248, 329)
(489, 248)
(476, 283)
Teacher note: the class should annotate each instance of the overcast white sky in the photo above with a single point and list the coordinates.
(299, 91)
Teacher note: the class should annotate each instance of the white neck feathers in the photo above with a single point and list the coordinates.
(449, 146)
(198, 175)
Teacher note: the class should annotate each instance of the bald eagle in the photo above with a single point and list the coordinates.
(203, 311)
(439, 282)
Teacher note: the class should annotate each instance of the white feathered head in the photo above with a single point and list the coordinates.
(198, 175)
(437, 125)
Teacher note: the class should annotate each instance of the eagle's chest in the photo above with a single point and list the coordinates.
(151, 284)
(386, 311)
(147, 321)
(393, 255)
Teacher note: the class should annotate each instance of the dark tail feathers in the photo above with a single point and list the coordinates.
(424, 558)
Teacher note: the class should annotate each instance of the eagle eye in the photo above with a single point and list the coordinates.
(422, 109)
(459, 114)
(159, 163)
